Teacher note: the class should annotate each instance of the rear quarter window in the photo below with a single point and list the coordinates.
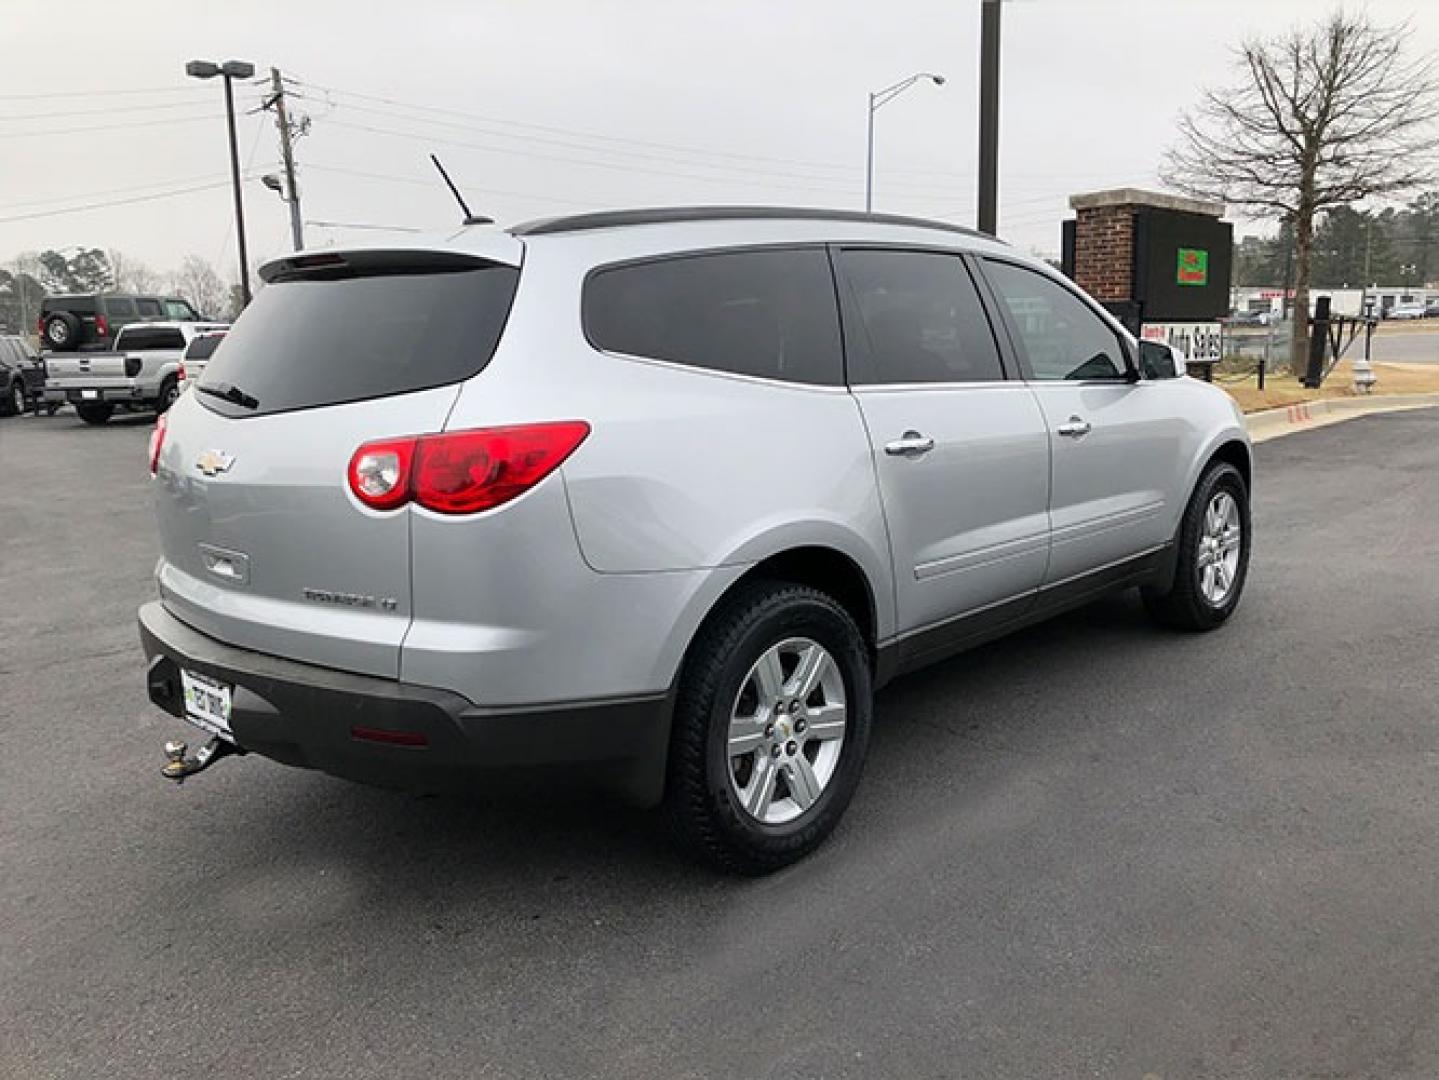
(119, 307)
(310, 342)
(765, 313)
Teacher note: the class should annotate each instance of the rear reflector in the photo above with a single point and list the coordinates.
(462, 472)
(157, 442)
(390, 737)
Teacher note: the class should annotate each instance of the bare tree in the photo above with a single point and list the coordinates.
(132, 275)
(198, 282)
(1324, 116)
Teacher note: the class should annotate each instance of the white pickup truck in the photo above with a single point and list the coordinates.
(143, 372)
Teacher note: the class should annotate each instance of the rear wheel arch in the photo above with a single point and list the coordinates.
(825, 569)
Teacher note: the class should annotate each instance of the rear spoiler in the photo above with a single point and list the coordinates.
(329, 266)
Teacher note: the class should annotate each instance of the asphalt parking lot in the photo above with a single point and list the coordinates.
(1092, 849)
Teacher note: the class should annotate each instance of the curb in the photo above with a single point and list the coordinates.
(1291, 418)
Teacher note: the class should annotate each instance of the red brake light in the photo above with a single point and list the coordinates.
(157, 443)
(101, 326)
(180, 375)
(462, 472)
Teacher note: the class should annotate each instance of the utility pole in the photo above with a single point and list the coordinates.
(989, 117)
(287, 154)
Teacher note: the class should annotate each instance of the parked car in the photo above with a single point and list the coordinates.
(1409, 309)
(197, 355)
(1249, 318)
(1431, 309)
(91, 320)
(142, 373)
(22, 375)
(660, 497)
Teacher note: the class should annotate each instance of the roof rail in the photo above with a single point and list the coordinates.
(667, 215)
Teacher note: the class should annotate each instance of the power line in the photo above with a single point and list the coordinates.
(209, 118)
(845, 169)
(102, 93)
(647, 143)
(146, 107)
(115, 202)
(110, 191)
(390, 177)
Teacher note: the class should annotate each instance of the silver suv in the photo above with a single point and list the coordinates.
(660, 498)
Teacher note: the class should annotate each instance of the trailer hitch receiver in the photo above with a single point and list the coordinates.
(180, 763)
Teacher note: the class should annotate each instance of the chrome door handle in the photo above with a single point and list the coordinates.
(910, 444)
(1076, 428)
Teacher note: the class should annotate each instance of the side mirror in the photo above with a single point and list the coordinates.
(1160, 361)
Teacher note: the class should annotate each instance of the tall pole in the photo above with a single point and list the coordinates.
(287, 155)
(239, 199)
(989, 117)
(869, 161)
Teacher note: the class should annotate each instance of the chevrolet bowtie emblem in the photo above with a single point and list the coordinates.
(212, 462)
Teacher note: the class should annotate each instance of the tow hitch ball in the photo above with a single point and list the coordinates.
(178, 765)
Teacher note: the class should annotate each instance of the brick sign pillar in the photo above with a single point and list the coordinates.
(1160, 263)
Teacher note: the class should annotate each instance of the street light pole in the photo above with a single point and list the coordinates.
(989, 117)
(239, 202)
(869, 161)
(877, 99)
(230, 70)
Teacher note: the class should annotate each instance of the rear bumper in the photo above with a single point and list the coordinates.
(306, 715)
(77, 395)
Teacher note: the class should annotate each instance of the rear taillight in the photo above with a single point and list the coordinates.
(180, 374)
(380, 473)
(461, 472)
(101, 326)
(40, 323)
(157, 443)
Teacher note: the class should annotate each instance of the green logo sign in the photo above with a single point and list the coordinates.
(1193, 266)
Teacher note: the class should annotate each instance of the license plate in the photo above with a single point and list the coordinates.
(207, 704)
(89, 395)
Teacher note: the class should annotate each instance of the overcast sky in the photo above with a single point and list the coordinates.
(562, 105)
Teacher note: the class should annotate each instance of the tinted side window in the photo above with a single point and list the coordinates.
(1062, 337)
(80, 305)
(922, 319)
(149, 309)
(764, 313)
(180, 311)
(144, 337)
(119, 307)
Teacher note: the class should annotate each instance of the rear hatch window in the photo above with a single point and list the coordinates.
(342, 331)
(142, 338)
(203, 347)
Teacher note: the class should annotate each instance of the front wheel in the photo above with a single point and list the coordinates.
(771, 728)
(1213, 555)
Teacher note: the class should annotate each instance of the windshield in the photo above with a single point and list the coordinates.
(304, 343)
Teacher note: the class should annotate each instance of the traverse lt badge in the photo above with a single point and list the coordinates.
(213, 462)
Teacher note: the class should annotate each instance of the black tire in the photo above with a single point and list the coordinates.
(13, 402)
(705, 815)
(62, 332)
(51, 408)
(1182, 604)
(95, 413)
(169, 394)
